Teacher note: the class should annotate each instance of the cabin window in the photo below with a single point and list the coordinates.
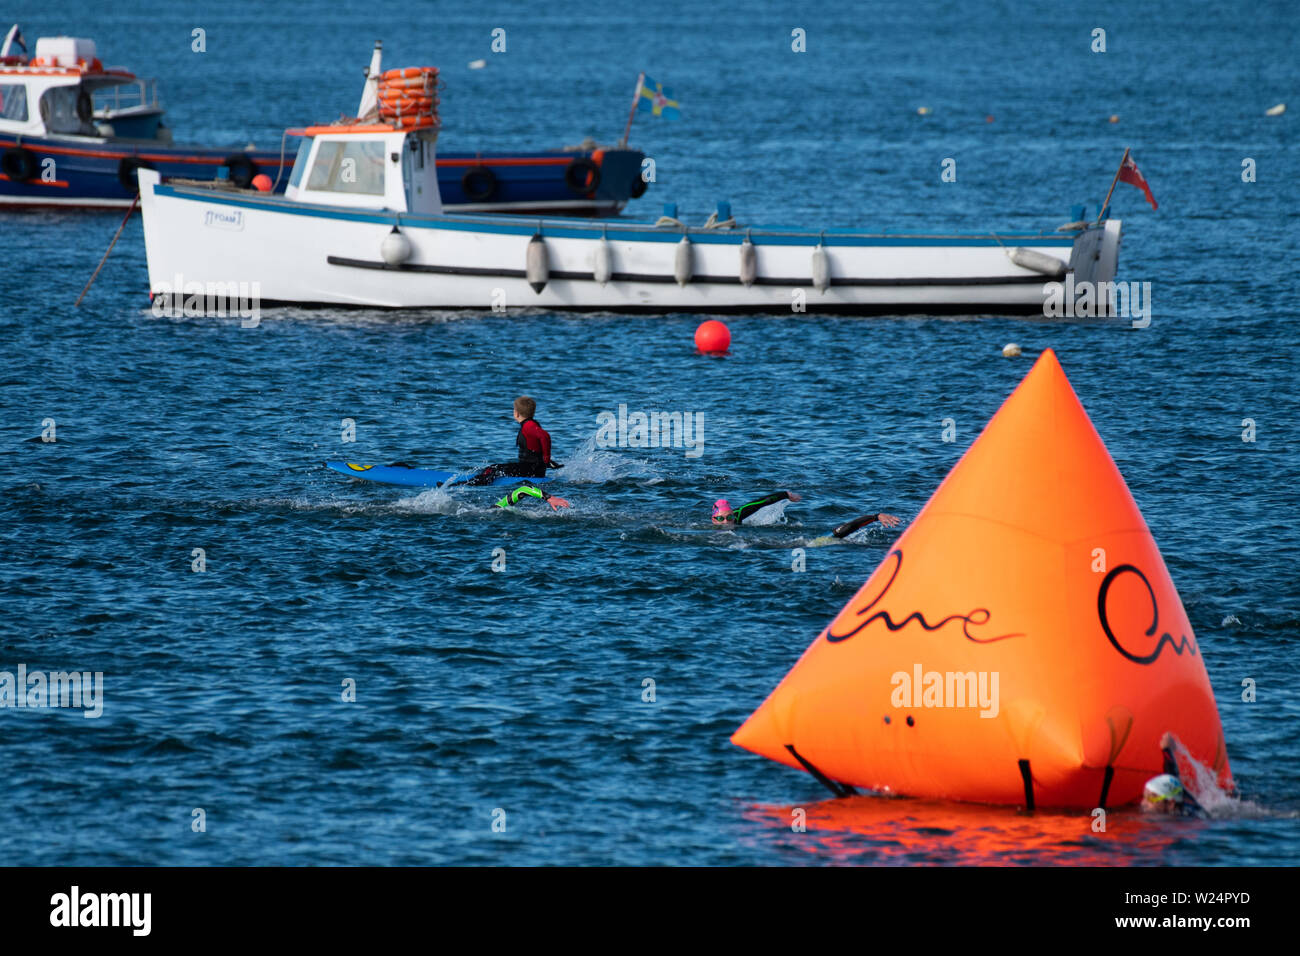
(13, 102)
(351, 167)
(67, 109)
(300, 162)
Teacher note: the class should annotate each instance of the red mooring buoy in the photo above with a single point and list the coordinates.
(712, 336)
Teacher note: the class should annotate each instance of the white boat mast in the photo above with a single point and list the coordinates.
(370, 91)
(13, 34)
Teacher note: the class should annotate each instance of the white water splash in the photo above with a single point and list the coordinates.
(442, 502)
(1202, 782)
(588, 463)
(772, 514)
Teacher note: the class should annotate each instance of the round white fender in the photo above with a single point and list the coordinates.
(601, 266)
(683, 267)
(821, 269)
(1037, 261)
(395, 249)
(538, 265)
(748, 263)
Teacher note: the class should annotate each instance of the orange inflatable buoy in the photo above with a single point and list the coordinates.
(1022, 643)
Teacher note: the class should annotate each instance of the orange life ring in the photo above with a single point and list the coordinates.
(409, 115)
(407, 106)
(390, 115)
(412, 122)
(411, 105)
(407, 111)
(388, 92)
(409, 71)
(411, 83)
(406, 96)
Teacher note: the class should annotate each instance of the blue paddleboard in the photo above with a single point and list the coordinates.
(417, 477)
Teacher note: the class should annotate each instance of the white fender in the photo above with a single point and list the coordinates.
(602, 259)
(396, 248)
(821, 269)
(683, 267)
(538, 264)
(748, 263)
(1037, 261)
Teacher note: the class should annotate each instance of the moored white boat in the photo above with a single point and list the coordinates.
(361, 223)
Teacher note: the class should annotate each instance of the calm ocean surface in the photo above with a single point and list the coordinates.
(522, 691)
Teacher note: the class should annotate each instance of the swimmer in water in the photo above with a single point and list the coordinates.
(531, 491)
(724, 514)
(1165, 792)
(846, 529)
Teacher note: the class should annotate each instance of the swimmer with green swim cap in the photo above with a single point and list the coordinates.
(531, 491)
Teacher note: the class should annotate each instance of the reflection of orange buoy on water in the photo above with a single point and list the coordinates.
(898, 832)
(1021, 644)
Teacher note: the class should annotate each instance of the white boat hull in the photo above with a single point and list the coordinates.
(293, 252)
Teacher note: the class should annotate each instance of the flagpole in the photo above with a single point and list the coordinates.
(636, 100)
(1105, 203)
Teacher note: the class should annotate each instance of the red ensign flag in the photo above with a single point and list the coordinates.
(1130, 174)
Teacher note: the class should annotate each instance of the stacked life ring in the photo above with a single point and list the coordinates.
(408, 98)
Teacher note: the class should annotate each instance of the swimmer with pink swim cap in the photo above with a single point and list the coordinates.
(723, 513)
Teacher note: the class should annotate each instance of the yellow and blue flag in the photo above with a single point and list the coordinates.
(657, 100)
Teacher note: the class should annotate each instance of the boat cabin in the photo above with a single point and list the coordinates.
(367, 167)
(64, 90)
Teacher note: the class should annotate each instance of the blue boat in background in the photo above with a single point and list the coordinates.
(73, 133)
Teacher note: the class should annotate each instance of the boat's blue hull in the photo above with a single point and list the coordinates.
(95, 173)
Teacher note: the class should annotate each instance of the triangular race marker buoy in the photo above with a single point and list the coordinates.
(1021, 643)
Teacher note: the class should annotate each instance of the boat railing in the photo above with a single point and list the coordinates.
(125, 96)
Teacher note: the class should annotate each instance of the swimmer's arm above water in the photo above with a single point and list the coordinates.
(531, 491)
(846, 529)
(748, 510)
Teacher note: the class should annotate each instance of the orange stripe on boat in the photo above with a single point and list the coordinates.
(37, 182)
(326, 130)
(151, 157)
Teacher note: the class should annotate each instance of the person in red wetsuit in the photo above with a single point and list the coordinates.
(534, 449)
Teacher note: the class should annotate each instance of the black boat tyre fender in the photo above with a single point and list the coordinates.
(19, 164)
(242, 169)
(582, 176)
(479, 184)
(639, 186)
(126, 172)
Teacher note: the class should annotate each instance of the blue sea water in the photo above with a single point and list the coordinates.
(521, 691)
